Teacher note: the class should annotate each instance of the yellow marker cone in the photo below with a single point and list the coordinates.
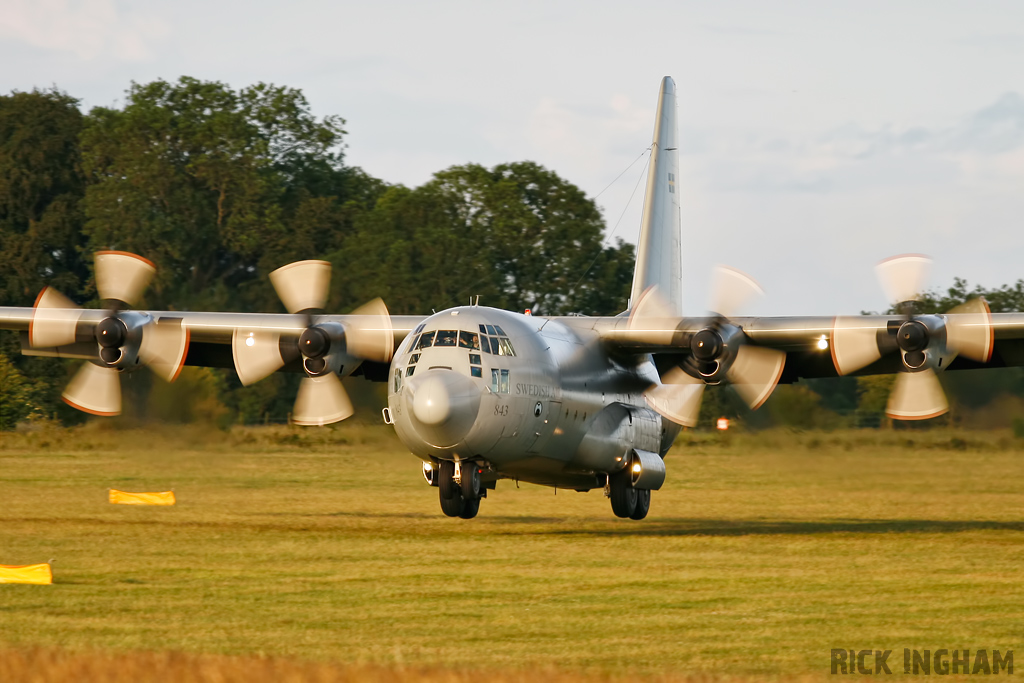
(125, 498)
(38, 574)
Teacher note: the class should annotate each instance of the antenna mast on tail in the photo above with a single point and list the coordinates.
(658, 251)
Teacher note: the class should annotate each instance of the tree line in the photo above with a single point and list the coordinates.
(219, 186)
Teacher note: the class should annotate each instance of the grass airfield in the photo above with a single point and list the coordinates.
(323, 551)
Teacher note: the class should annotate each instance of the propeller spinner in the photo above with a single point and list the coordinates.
(325, 348)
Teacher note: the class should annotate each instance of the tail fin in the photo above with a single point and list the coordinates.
(659, 254)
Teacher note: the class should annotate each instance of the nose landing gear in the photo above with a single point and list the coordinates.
(459, 492)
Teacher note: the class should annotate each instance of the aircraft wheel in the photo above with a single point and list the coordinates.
(470, 509)
(470, 481)
(622, 494)
(446, 480)
(643, 503)
(454, 506)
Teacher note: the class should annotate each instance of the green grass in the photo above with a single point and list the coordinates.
(761, 553)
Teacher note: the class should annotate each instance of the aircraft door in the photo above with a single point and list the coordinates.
(543, 420)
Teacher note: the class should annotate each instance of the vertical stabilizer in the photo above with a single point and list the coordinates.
(658, 252)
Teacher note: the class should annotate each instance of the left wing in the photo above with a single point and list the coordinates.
(116, 339)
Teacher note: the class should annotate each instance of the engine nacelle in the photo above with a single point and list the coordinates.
(120, 338)
(922, 343)
(323, 349)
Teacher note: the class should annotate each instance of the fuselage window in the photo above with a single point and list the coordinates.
(499, 381)
(506, 347)
(426, 340)
(414, 358)
(469, 340)
(409, 370)
(474, 359)
(490, 329)
(446, 338)
(500, 331)
(475, 371)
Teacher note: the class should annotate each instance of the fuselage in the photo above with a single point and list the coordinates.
(530, 398)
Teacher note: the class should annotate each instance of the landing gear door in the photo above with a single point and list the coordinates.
(543, 420)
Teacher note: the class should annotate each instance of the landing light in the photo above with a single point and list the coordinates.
(823, 343)
(427, 467)
(249, 341)
(636, 468)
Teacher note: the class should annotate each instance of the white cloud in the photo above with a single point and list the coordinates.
(87, 28)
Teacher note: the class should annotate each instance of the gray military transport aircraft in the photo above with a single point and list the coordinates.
(481, 394)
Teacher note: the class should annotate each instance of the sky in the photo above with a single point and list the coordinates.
(816, 138)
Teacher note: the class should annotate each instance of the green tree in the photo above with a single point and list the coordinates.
(216, 186)
(518, 235)
(41, 185)
(41, 241)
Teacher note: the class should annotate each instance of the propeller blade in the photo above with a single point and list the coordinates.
(370, 336)
(678, 398)
(651, 320)
(321, 400)
(916, 396)
(903, 277)
(854, 344)
(969, 330)
(54, 320)
(122, 276)
(94, 390)
(755, 372)
(164, 347)
(731, 289)
(302, 285)
(257, 353)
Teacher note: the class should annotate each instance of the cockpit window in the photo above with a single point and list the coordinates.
(506, 347)
(426, 340)
(499, 381)
(495, 349)
(499, 330)
(490, 329)
(419, 328)
(446, 337)
(469, 340)
(483, 329)
(485, 344)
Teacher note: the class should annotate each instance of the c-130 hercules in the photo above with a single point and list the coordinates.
(481, 394)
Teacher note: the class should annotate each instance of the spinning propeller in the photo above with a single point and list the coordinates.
(327, 349)
(125, 339)
(925, 343)
(719, 351)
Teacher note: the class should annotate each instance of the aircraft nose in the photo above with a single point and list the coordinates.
(444, 406)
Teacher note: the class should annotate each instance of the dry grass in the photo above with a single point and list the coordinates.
(62, 666)
(762, 553)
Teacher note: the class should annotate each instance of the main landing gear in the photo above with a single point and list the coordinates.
(460, 495)
(626, 500)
